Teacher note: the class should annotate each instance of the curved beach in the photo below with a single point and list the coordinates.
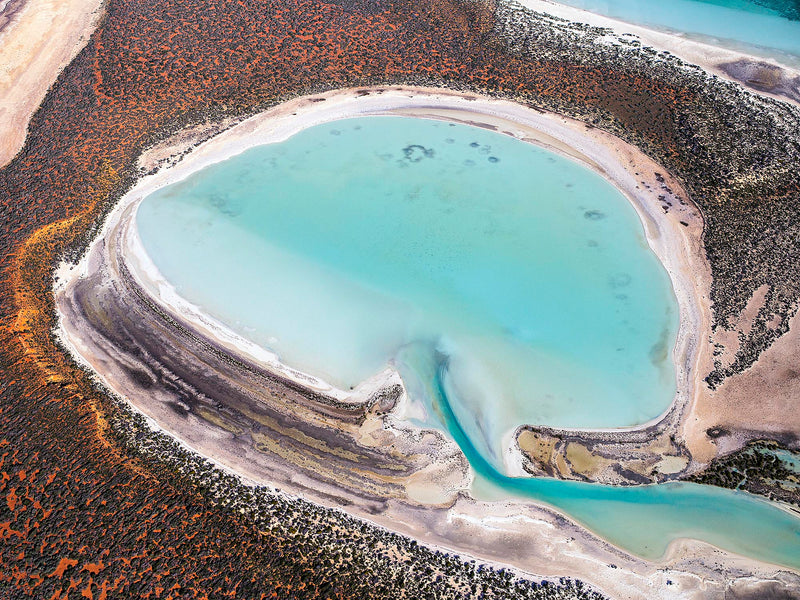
(674, 235)
(428, 501)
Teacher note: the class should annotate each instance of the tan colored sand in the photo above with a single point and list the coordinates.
(678, 246)
(762, 399)
(43, 37)
(729, 338)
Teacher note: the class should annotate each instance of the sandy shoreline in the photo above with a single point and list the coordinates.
(549, 545)
(44, 36)
(678, 246)
(28, 66)
(40, 37)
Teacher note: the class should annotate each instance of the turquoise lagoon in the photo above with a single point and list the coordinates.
(769, 28)
(507, 284)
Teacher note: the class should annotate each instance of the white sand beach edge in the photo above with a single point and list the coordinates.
(45, 35)
(678, 246)
(704, 54)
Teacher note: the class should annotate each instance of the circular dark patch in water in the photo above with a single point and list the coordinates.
(594, 215)
(223, 204)
(469, 163)
(415, 153)
(493, 159)
(335, 132)
(620, 280)
(474, 145)
(449, 140)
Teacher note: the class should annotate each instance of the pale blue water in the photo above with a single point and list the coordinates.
(360, 242)
(642, 519)
(790, 460)
(353, 239)
(769, 28)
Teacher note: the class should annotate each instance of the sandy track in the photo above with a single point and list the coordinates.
(41, 38)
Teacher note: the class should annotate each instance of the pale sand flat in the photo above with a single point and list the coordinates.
(41, 39)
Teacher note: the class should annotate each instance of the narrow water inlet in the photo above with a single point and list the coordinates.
(644, 519)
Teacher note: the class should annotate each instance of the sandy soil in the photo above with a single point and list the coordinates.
(764, 76)
(531, 538)
(41, 38)
(760, 402)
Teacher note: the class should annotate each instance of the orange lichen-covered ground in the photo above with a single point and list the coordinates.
(80, 516)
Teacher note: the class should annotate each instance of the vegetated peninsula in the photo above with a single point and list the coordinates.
(100, 500)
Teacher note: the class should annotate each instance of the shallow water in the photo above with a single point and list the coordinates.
(641, 519)
(645, 519)
(516, 280)
(353, 239)
(769, 28)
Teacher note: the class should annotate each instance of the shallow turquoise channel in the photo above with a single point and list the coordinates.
(768, 28)
(518, 281)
